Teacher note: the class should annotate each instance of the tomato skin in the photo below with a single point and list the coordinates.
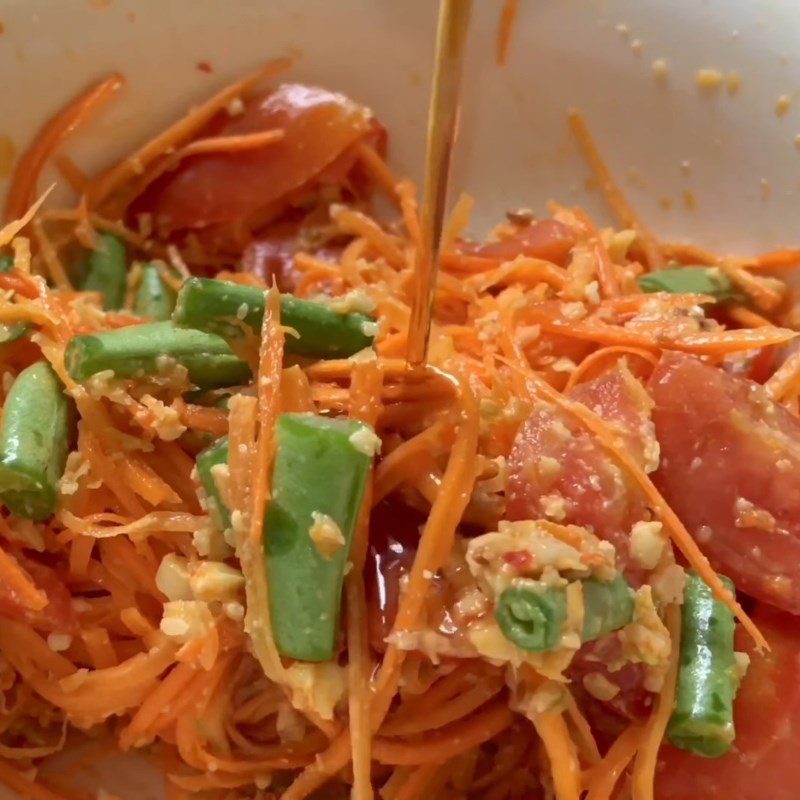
(730, 457)
(554, 457)
(549, 239)
(57, 616)
(764, 763)
(224, 187)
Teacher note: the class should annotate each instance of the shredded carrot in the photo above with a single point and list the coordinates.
(450, 741)
(458, 221)
(562, 754)
(604, 359)
(24, 786)
(748, 318)
(507, 20)
(417, 782)
(204, 418)
(644, 768)
(785, 258)
(364, 405)
(23, 188)
(785, 379)
(20, 583)
(230, 144)
(378, 169)
(616, 199)
(74, 176)
(760, 289)
(175, 135)
(587, 746)
(358, 224)
(51, 259)
(604, 775)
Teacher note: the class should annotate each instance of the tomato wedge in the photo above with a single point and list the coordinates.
(730, 458)
(548, 239)
(223, 187)
(765, 759)
(57, 616)
(557, 469)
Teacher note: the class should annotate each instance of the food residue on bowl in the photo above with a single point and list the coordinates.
(782, 105)
(708, 79)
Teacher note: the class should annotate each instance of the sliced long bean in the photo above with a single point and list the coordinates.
(35, 437)
(13, 331)
(702, 721)
(534, 620)
(154, 297)
(107, 269)
(318, 481)
(224, 307)
(153, 349)
(214, 456)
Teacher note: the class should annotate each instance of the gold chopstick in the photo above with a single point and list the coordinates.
(451, 38)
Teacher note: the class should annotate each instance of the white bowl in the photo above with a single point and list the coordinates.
(738, 158)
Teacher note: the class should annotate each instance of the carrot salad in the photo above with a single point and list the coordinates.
(240, 536)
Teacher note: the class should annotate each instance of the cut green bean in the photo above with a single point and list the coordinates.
(215, 455)
(702, 721)
(224, 307)
(35, 437)
(531, 620)
(11, 332)
(107, 270)
(153, 349)
(534, 621)
(154, 297)
(321, 468)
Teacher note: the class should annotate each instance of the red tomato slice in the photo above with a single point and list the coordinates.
(765, 761)
(319, 126)
(57, 616)
(556, 466)
(730, 458)
(548, 239)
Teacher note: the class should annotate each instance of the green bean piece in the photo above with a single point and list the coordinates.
(38, 420)
(154, 297)
(702, 721)
(320, 472)
(11, 332)
(107, 270)
(206, 461)
(534, 621)
(224, 308)
(153, 348)
(607, 607)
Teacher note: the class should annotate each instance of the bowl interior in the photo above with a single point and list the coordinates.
(717, 166)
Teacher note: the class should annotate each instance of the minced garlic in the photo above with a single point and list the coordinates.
(647, 544)
(326, 535)
(599, 686)
(708, 79)
(365, 441)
